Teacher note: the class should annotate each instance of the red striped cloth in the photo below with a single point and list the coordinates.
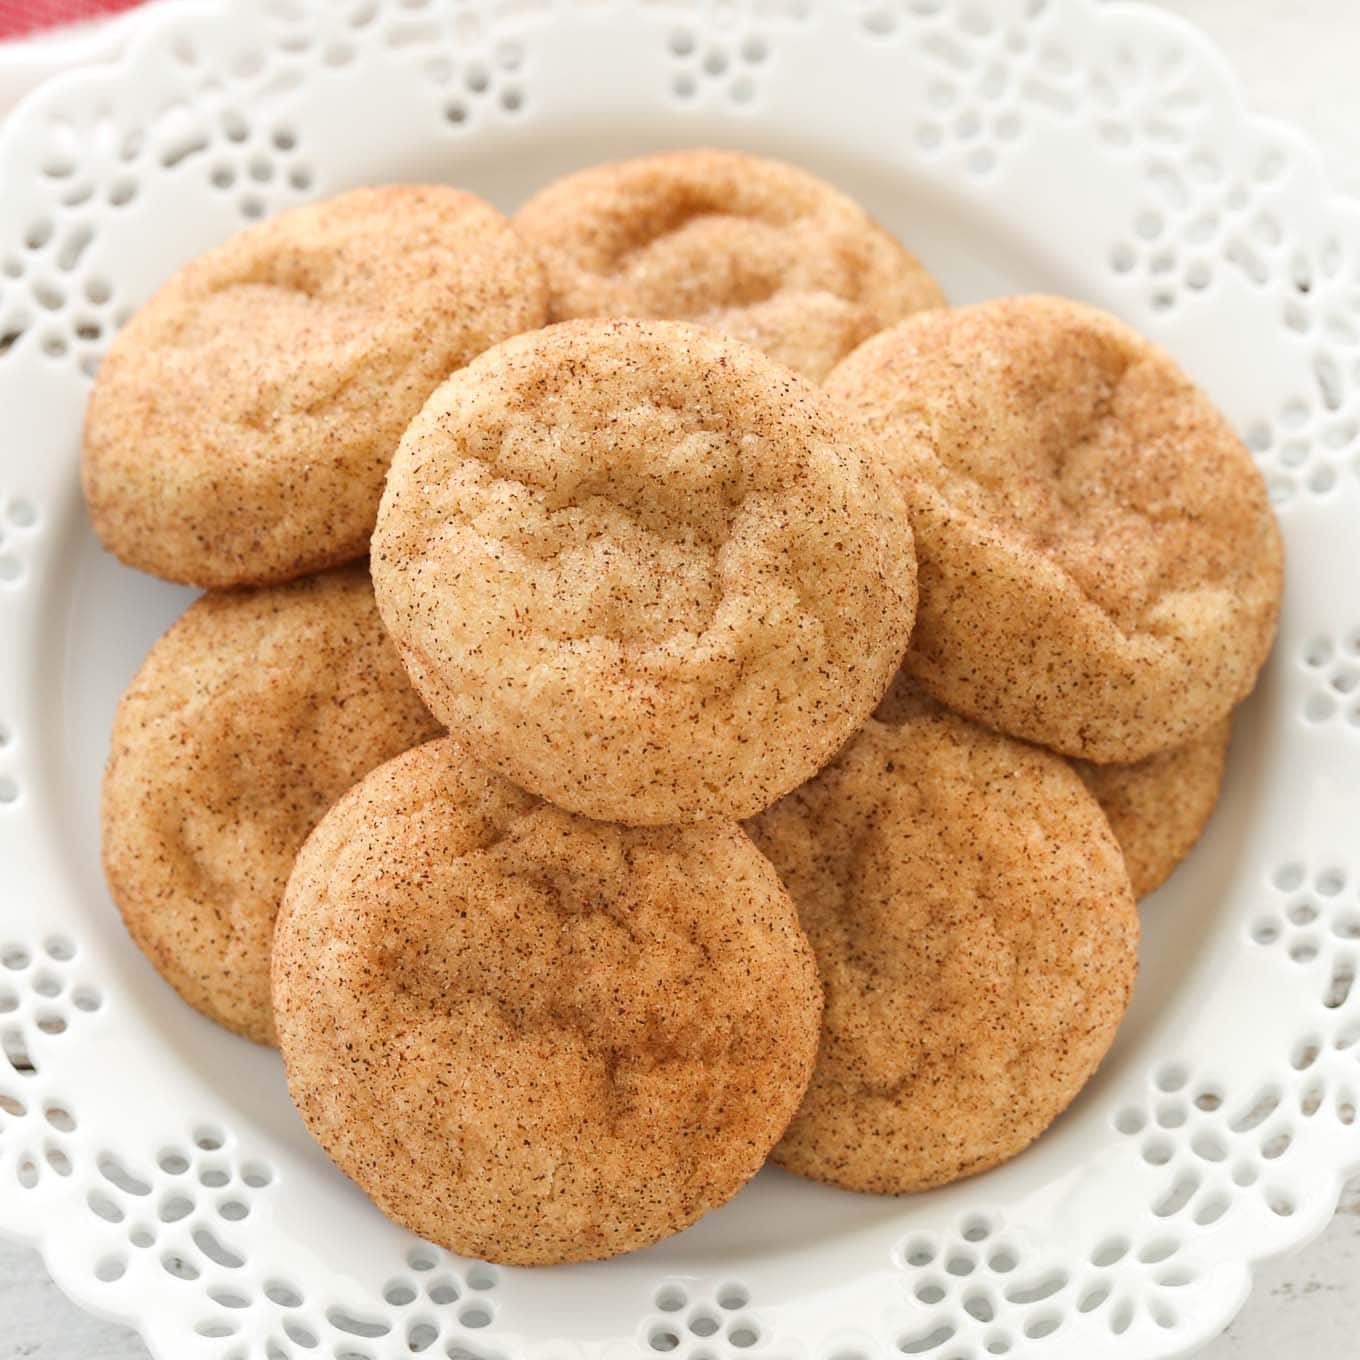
(21, 18)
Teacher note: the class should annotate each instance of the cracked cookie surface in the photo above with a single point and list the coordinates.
(242, 422)
(976, 937)
(529, 1036)
(752, 246)
(255, 711)
(1100, 568)
(644, 571)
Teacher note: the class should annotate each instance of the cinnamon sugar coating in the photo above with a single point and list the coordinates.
(977, 940)
(242, 422)
(644, 571)
(528, 1036)
(245, 722)
(1100, 568)
(755, 247)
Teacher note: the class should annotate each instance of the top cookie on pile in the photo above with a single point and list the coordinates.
(750, 246)
(1100, 568)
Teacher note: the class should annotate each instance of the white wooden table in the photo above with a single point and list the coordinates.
(1300, 60)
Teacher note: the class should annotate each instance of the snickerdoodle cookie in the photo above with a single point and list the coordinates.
(533, 1037)
(1100, 569)
(245, 722)
(1158, 807)
(241, 424)
(642, 569)
(754, 247)
(977, 939)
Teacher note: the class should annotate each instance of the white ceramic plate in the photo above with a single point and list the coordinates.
(1098, 151)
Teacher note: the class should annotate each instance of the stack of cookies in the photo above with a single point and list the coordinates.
(767, 694)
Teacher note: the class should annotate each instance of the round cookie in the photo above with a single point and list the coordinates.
(241, 425)
(532, 1037)
(755, 247)
(643, 570)
(245, 722)
(977, 939)
(1100, 569)
(1158, 807)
